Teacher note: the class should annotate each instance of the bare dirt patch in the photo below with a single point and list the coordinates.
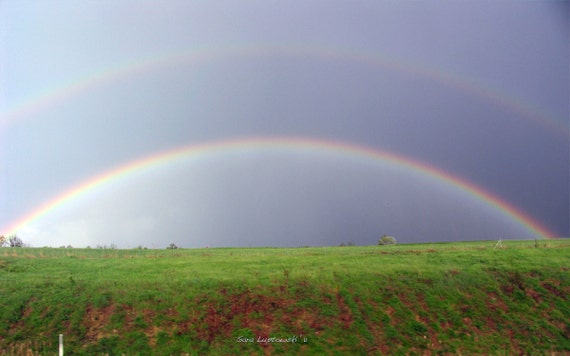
(95, 322)
(345, 314)
(533, 294)
(496, 303)
(553, 287)
(247, 309)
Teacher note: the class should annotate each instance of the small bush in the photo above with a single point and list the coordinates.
(387, 240)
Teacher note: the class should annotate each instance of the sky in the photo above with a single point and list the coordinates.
(283, 123)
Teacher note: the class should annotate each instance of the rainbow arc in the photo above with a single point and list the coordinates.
(257, 144)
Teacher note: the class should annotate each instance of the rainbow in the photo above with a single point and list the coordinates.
(257, 144)
(54, 96)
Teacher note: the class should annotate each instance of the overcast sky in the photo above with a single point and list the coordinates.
(478, 90)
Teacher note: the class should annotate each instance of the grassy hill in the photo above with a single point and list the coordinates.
(447, 298)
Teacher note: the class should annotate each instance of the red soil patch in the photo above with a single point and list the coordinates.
(95, 321)
(508, 289)
(533, 294)
(345, 313)
(260, 313)
(26, 312)
(552, 287)
(496, 303)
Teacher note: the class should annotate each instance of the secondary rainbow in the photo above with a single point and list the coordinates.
(52, 96)
(300, 143)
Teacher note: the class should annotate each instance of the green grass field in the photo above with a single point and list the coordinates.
(445, 298)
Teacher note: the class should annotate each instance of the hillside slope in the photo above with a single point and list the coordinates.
(410, 299)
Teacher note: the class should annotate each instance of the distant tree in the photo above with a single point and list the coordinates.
(172, 246)
(2, 240)
(387, 240)
(107, 247)
(12, 241)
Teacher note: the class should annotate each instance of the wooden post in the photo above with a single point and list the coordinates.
(60, 344)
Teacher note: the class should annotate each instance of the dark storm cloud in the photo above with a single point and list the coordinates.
(508, 61)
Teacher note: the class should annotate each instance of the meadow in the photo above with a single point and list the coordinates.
(433, 298)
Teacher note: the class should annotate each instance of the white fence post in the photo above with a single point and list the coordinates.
(60, 344)
(499, 243)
